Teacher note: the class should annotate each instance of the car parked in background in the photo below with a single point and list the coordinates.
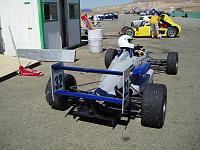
(100, 16)
(152, 12)
(142, 13)
(126, 12)
(111, 16)
(104, 16)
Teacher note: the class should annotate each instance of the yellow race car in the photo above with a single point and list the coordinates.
(167, 28)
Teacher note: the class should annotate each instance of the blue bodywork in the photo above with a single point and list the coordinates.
(88, 70)
(138, 72)
(89, 96)
(110, 99)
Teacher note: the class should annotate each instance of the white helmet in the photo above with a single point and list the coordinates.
(124, 41)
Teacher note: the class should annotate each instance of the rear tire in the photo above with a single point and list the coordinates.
(124, 29)
(154, 106)
(172, 32)
(172, 63)
(60, 102)
(110, 55)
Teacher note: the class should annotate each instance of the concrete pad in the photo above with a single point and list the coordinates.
(9, 65)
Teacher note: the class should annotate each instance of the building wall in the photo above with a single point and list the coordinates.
(22, 17)
(52, 30)
(74, 27)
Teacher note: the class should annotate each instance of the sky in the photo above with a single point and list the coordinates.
(99, 3)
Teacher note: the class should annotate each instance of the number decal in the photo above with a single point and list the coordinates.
(58, 81)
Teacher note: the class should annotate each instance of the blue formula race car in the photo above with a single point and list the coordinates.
(126, 89)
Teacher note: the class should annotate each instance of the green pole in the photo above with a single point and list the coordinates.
(80, 20)
(41, 23)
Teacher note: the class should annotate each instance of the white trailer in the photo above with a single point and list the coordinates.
(39, 24)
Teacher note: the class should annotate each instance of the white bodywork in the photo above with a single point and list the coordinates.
(121, 63)
(141, 21)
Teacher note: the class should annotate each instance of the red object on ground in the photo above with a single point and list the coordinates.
(29, 72)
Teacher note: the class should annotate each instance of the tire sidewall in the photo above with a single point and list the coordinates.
(172, 32)
(109, 56)
(172, 63)
(124, 29)
(153, 104)
(132, 24)
(60, 102)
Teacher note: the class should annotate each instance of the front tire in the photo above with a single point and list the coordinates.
(60, 102)
(110, 55)
(154, 106)
(172, 63)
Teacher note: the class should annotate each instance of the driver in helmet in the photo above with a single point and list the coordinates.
(124, 42)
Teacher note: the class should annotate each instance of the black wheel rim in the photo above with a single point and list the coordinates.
(129, 32)
(172, 32)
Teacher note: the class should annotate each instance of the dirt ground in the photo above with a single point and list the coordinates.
(28, 123)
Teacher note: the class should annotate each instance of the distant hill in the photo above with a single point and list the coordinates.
(190, 5)
(175, 1)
